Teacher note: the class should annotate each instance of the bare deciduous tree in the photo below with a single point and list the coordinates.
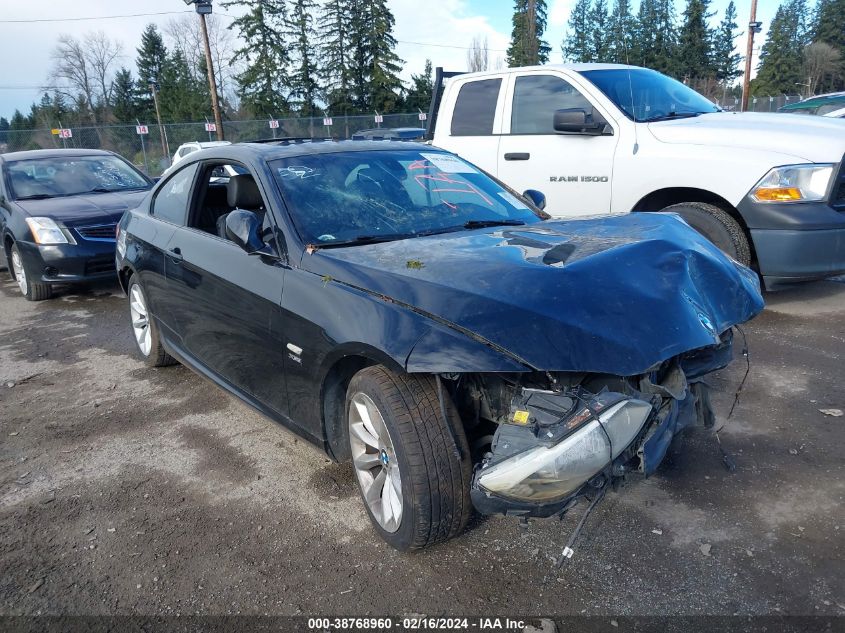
(821, 62)
(84, 69)
(185, 34)
(477, 57)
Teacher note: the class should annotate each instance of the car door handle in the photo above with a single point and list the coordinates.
(175, 254)
(517, 156)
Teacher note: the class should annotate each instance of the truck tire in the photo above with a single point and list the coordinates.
(716, 225)
(400, 443)
(28, 283)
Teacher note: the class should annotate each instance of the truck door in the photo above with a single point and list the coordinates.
(476, 108)
(575, 171)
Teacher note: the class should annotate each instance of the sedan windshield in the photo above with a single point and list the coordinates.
(72, 175)
(359, 197)
(646, 95)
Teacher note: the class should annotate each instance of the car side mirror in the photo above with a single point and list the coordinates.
(244, 229)
(579, 121)
(538, 198)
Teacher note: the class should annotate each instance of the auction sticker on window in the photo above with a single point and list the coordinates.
(449, 164)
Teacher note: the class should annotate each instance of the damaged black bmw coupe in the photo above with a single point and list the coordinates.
(403, 310)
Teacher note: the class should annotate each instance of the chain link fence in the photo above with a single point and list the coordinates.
(759, 104)
(152, 152)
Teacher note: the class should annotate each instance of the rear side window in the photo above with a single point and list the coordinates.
(535, 99)
(475, 108)
(171, 201)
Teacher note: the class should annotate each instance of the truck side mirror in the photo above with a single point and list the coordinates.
(538, 198)
(579, 121)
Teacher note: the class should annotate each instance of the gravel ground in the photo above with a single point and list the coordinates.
(125, 490)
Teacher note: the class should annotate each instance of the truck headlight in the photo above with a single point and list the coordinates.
(46, 231)
(543, 474)
(794, 183)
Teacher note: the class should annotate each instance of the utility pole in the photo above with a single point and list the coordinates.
(164, 147)
(753, 27)
(203, 8)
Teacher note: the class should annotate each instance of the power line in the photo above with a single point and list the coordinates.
(100, 17)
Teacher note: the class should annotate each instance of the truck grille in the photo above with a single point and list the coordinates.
(97, 232)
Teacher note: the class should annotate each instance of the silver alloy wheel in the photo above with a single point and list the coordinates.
(20, 273)
(140, 319)
(375, 462)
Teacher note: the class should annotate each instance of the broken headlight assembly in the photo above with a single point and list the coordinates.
(566, 451)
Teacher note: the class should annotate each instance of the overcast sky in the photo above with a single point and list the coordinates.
(430, 29)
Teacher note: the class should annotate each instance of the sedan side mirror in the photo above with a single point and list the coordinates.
(579, 121)
(244, 229)
(536, 197)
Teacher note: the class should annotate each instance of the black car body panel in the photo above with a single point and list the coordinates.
(639, 296)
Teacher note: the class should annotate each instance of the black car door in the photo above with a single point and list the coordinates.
(226, 303)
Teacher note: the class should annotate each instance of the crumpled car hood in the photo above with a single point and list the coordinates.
(614, 295)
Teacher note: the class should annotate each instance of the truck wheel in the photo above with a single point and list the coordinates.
(145, 330)
(414, 485)
(717, 226)
(30, 288)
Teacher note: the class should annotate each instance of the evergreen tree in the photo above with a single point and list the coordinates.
(4, 130)
(527, 47)
(262, 86)
(726, 59)
(695, 42)
(152, 56)
(336, 54)
(599, 33)
(20, 136)
(303, 87)
(422, 86)
(829, 28)
(182, 96)
(577, 45)
(375, 77)
(125, 98)
(783, 53)
(622, 29)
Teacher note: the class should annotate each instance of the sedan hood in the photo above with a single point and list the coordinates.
(95, 207)
(614, 295)
(807, 138)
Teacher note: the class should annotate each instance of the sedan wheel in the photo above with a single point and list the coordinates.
(30, 287)
(140, 319)
(144, 328)
(376, 464)
(413, 478)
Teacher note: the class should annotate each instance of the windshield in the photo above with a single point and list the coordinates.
(646, 95)
(72, 175)
(364, 196)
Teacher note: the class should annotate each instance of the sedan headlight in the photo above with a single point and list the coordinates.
(46, 231)
(545, 474)
(794, 183)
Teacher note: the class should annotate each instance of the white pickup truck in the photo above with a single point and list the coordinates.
(769, 189)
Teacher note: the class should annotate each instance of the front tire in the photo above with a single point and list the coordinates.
(144, 329)
(28, 284)
(718, 226)
(414, 485)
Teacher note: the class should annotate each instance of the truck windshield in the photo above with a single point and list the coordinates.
(359, 197)
(646, 95)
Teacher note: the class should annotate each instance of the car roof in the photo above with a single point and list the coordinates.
(285, 148)
(205, 144)
(813, 102)
(53, 153)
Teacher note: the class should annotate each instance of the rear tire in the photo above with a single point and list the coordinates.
(718, 226)
(416, 444)
(30, 288)
(144, 328)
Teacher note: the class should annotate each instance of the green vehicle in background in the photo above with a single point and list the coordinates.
(831, 105)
